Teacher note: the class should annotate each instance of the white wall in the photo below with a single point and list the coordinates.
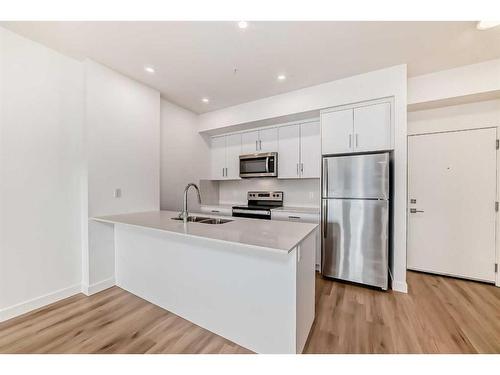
(185, 156)
(459, 117)
(299, 193)
(458, 82)
(122, 124)
(41, 120)
(390, 82)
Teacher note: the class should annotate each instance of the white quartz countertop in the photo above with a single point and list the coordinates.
(273, 235)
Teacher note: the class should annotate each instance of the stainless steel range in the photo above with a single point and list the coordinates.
(260, 204)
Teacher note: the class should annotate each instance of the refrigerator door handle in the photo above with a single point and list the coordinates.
(325, 218)
(325, 177)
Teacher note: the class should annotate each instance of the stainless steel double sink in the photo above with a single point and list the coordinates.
(204, 220)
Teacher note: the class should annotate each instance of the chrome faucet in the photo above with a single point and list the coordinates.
(184, 214)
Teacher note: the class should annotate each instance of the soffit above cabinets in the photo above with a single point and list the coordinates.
(219, 61)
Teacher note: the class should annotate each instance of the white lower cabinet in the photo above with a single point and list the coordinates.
(304, 217)
(217, 210)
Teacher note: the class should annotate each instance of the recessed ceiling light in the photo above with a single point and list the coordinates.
(205, 100)
(243, 24)
(484, 25)
(281, 77)
(149, 69)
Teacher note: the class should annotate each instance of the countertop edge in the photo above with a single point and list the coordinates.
(263, 248)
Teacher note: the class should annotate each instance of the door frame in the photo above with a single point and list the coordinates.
(497, 228)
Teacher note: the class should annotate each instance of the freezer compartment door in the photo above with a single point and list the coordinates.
(355, 240)
(356, 176)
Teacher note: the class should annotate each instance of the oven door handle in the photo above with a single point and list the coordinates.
(252, 212)
(267, 164)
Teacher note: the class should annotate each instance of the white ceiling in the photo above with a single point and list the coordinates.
(198, 59)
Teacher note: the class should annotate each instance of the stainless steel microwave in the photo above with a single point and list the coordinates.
(259, 165)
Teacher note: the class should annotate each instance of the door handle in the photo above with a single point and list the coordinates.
(414, 210)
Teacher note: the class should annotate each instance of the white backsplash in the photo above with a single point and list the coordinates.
(300, 193)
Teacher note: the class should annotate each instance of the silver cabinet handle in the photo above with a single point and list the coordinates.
(223, 172)
(256, 147)
(350, 140)
(297, 169)
(414, 210)
(294, 217)
(215, 211)
(356, 139)
(302, 168)
(260, 144)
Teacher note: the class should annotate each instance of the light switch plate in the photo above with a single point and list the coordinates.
(118, 193)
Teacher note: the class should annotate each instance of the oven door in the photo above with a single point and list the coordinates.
(259, 165)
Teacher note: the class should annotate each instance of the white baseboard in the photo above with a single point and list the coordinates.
(98, 287)
(35, 303)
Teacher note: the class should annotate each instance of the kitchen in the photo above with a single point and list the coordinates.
(280, 224)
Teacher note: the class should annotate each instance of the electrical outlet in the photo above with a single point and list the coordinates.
(118, 193)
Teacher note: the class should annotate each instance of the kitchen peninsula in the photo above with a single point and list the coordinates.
(250, 281)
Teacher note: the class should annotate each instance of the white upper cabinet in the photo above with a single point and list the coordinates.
(337, 131)
(310, 150)
(218, 155)
(250, 142)
(361, 129)
(299, 151)
(233, 151)
(372, 130)
(268, 140)
(225, 157)
(289, 151)
(265, 140)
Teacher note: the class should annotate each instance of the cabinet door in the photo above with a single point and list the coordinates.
(336, 132)
(310, 150)
(233, 151)
(372, 127)
(289, 151)
(250, 142)
(218, 157)
(268, 140)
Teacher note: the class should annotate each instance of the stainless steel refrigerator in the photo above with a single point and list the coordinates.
(355, 218)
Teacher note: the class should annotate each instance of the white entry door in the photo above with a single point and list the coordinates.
(451, 203)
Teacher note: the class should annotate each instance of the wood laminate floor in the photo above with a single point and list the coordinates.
(438, 315)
